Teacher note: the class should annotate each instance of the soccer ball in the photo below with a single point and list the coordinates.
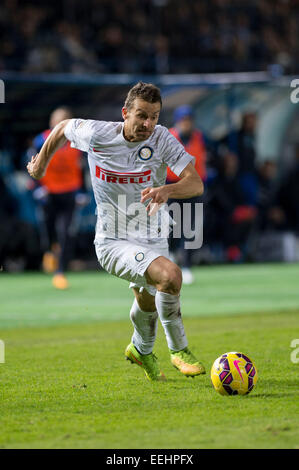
(233, 373)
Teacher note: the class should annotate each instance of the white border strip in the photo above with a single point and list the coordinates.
(2, 92)
(2, 352)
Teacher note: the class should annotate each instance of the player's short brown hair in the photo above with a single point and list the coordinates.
(146, 91)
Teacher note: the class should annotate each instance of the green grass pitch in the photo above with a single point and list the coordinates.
(65, 383)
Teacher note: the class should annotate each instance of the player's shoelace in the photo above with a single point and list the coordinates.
(150, 362)
(186, 356)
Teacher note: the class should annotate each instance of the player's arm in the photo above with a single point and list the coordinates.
(38, 165)
(190, 185)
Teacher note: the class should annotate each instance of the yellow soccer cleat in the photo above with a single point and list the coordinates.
(59, 281)
(148, 362)
(186, 363)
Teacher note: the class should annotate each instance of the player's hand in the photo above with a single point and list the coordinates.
(158, 197)
(34, 169)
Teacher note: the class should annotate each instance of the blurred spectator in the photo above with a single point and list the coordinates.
(161, 54)
(228, 219)
(192, 139)
(270, 215)
(288, 195)
(242, 143)
(18, 240)
(278, 216)
(246, 144)
(245, 148)
(56, 192)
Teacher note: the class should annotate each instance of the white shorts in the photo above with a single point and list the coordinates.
(129, 260)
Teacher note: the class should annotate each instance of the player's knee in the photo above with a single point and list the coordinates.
(171, 280)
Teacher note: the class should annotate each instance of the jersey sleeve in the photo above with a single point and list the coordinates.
(173, 153)
(80, 132)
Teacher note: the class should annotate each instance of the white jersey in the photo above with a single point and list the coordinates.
(120, 170)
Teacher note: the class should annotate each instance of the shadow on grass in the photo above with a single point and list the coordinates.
(277, 388)
(273, 395)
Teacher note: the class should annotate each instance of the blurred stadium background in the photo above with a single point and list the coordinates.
(227, 59)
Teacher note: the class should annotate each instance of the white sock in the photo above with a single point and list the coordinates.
(145, 328)
(168, 307)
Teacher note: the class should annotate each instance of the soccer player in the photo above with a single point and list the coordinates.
(128, 162)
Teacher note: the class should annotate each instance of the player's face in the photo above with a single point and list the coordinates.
(140, 120)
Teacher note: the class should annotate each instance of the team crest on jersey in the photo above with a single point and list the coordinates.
(145, 153)
(139, 256)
